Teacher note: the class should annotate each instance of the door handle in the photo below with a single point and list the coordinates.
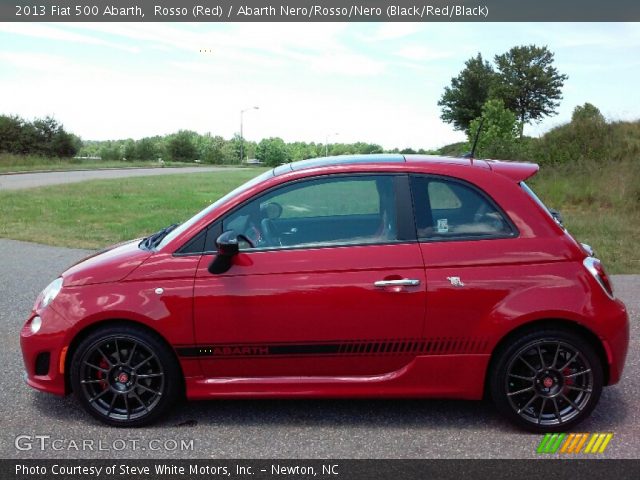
(405, 282)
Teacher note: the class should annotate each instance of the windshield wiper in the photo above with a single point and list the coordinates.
(152, 240)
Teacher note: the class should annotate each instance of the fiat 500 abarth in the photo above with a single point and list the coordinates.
(355, 276)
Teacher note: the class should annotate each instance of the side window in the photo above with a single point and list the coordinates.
(451, 209)
(341, 210)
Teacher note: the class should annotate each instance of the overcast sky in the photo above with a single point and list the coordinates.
(375, 82)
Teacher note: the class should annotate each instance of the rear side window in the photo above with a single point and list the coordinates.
(448, 209)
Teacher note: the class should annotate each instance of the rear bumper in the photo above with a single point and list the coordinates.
(616, 341)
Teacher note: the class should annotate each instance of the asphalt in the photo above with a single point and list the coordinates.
(276, 429)
(30, 180)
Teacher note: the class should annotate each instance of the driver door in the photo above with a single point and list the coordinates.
(306, 299)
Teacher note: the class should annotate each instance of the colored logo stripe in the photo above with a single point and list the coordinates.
(598, 443)
(574, 442)
(551, 442)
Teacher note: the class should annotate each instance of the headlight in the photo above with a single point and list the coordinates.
(50, 292)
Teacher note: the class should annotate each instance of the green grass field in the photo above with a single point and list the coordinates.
(97, 213)
(600, 204)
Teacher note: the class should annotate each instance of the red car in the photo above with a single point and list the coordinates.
(354, 276)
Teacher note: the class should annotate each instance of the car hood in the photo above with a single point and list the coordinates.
(109, 265)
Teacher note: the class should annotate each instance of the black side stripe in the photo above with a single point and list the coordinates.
(437, 346)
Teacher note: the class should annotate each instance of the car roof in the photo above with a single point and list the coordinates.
(517, 171)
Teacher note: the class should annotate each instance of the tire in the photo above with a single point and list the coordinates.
(125, 376)
(547, 380)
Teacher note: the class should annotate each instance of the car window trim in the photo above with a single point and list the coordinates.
(403, 200)
(515, 232)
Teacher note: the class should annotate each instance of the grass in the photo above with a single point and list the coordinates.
(600, 203)
(30, 163)
(97, 213)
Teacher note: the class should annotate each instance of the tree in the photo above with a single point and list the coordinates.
(211, 149)
(181, 146)
(46, 129)
(463, 100)
(499, 135)
(11, 134)
(129, 150)
(528, 83)
(146, 149)
(110, 151)
(303, 150)
(588, 113)
(41, 137)
(65, 144)
(272, 151)
(366, 148)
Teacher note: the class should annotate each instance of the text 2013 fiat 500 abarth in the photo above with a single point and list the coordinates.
(355, 276)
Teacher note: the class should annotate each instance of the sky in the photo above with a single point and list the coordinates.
(314, 82)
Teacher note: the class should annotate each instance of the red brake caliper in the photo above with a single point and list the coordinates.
(567, 381)
(101, 375)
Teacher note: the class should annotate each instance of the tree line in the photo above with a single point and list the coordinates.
(189, 146)
(43, 136)
(47, 138)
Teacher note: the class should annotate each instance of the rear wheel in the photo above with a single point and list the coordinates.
(547, 381)
(124, 375)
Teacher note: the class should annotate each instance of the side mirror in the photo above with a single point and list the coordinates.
(228, 247)
(227, 244)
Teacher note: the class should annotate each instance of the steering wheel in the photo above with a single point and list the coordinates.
(270, 233)
(270, 212)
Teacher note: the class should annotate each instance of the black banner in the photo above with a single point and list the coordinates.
(320, 469)
(319, 11)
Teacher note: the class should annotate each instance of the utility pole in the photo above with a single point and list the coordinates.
(241, 126)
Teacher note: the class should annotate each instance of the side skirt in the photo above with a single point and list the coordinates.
(434, 376)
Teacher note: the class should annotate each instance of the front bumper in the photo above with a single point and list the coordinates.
(43, 352)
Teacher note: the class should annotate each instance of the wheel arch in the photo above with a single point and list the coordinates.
(558, 323)
(87, 330)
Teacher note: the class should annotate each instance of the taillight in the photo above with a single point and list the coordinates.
(595, 268)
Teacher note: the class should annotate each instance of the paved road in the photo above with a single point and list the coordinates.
(30, 180)
(284, 429)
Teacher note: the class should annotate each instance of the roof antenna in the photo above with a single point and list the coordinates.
(471, 155)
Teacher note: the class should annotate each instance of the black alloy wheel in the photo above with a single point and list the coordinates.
(124, 375)
(547, 381)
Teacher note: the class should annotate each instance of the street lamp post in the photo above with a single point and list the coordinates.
(241, 136)
(326, 143)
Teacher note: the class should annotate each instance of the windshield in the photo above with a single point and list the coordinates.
(186, 225)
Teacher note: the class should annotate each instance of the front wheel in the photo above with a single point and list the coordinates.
(124, 375)
(547, 381)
